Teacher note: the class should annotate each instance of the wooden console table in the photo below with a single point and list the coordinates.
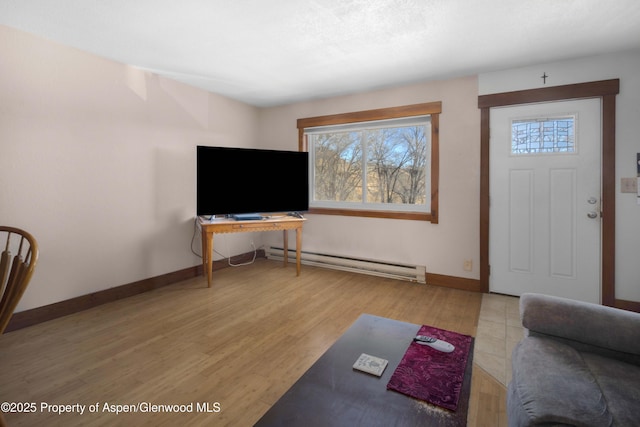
(284, 223)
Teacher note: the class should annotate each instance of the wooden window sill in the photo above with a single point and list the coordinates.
(415, 216)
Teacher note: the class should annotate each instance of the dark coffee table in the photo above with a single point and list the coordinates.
(332, 393)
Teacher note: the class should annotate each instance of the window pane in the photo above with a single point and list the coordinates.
(380, 163)
(396, 165)
(374, 165)
(338, 166)
(551, 135)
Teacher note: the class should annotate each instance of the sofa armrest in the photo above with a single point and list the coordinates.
(583, 323)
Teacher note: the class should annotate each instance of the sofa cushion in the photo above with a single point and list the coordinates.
(620, 384)
(553, 385)
(610, 330)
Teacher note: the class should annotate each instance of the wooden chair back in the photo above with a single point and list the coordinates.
(18, 257)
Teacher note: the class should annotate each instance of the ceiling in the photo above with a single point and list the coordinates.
(273, 52)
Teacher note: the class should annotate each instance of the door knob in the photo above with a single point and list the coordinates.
(592, 200)
(592, 214)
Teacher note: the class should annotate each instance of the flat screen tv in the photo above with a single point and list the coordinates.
(233, 181)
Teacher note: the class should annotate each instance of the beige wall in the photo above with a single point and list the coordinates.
(97, 160)
(441, 247)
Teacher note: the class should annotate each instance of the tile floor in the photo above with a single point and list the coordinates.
(499, 329)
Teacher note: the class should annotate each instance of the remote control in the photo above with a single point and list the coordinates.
(435, 343)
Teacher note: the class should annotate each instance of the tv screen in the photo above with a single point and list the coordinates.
(246, 181)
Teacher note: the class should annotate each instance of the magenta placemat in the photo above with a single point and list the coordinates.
(431, 375)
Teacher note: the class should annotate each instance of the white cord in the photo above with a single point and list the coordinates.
(195, 229)
(244, 263)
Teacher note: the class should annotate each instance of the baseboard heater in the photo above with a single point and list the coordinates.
(414, 273)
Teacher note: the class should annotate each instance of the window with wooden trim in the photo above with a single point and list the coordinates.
(376, 163)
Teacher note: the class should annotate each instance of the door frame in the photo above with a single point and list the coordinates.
(606, 90)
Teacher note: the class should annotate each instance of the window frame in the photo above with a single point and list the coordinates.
(432, 109)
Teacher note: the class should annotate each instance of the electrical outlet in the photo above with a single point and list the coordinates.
(468, 265)
(629, 185)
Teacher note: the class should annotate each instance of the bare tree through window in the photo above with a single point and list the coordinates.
(380, 163)
(386, 165)
(337, 168)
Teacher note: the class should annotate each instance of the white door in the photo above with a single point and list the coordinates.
(545, 199)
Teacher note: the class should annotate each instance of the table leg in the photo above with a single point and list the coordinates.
(298, 248)
(208, 253)
(203, 239)
(285, 244)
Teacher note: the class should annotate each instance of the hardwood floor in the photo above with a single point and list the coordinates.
(236, 347)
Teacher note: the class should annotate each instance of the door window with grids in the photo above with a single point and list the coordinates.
(543, 135)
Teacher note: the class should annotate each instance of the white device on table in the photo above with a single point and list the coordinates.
(435, 343)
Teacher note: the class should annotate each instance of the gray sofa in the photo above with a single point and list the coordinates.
(578, 365)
